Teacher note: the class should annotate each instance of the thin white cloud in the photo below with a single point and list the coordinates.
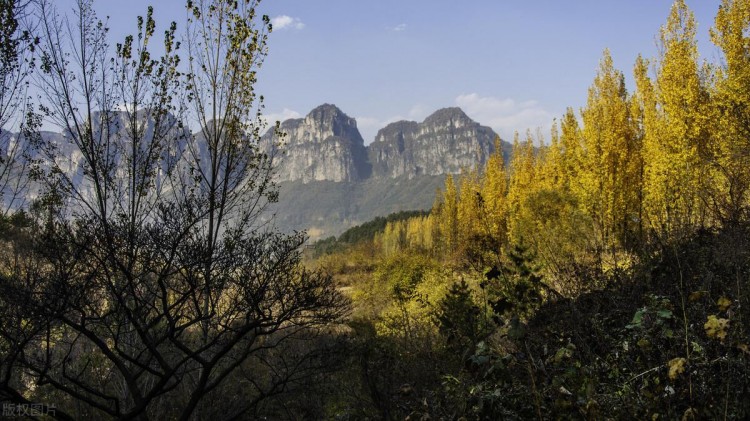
(368, 122)
(286, 22)
(506, 115)
(398, 28)
(285, 114)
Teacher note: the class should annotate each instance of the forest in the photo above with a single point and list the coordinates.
(602, 273)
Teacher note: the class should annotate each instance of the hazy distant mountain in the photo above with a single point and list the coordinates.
(69, 159)
(330, 181)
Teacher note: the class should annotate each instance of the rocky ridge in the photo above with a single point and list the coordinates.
(329, 180)
(323, 146)
(327, 146)
(444, 143)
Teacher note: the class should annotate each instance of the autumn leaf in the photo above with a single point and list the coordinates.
(723, 303)
(716, 327)
(676, 367)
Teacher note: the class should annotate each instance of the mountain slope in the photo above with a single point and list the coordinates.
(329, 181)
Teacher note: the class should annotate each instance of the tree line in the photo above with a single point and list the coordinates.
(629, 171)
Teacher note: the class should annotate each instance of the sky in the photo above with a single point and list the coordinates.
(511, 65)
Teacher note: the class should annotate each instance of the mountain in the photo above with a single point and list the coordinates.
(443, 143)
(325, 145)
(59, 150)
(329, 180)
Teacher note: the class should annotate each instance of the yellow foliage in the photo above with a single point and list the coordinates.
(729, 188)
(676, 367)
(723, 303)
(570, 145)
(413, 316)
(609, 174)
(447, 216)
(494, 187)
(675, 124)
(521, 181)
(716, 327)
(667, 159)
(470, 206)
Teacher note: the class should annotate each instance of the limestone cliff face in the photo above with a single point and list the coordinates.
(324, 146)
(327, 146)
(445, 142)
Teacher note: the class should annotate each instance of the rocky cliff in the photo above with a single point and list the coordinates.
(444, 143)
(329, 181)
(324, 146)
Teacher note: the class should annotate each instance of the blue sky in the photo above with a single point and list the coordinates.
(511, 65)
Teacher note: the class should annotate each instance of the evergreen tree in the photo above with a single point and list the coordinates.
(459, 318)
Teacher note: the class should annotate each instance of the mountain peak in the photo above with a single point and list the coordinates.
(443, 143)
(328, 112)
(324, 145)
(450, 114)
(331, 121)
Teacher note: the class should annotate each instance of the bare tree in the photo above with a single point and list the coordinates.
(157, 281)
(16, 62)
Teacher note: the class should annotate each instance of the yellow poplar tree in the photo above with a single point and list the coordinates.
(419, 232)
(570, 145)
(672, 144)
(469, 217)
(730, 154)
(448, 216)
(494, 190)
(550, 168)
(635, 163)
(607, 175)
(521, 182)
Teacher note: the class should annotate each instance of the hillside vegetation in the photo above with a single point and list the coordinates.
(327, 208)
(600, 275)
